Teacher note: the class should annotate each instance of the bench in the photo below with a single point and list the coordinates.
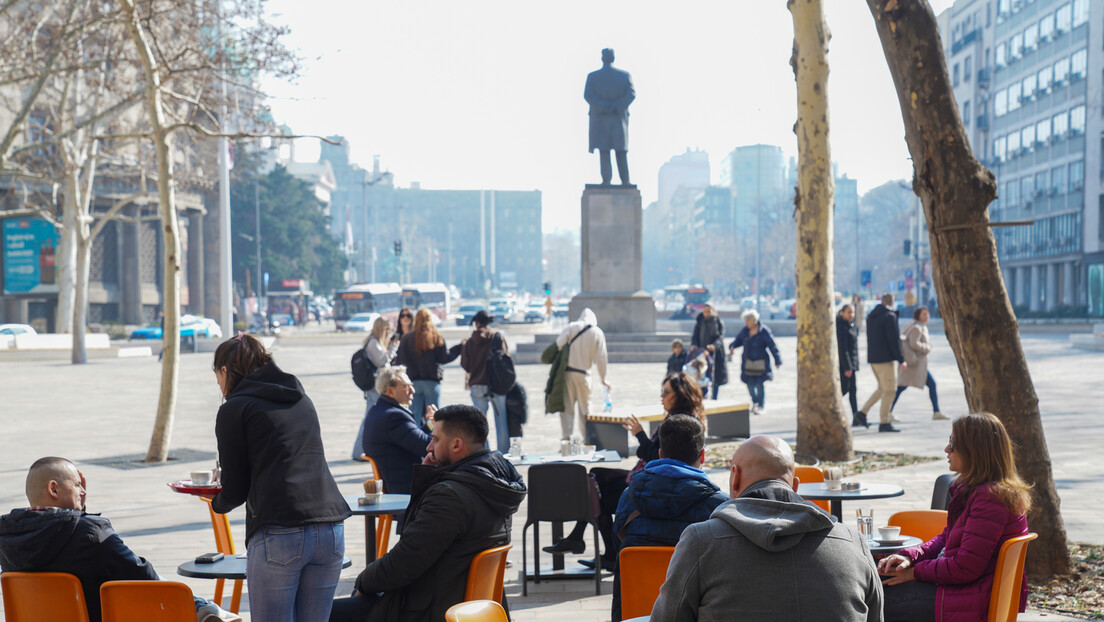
(725, 419)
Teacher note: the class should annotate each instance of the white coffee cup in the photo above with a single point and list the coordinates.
(889, 533)
(202, 478)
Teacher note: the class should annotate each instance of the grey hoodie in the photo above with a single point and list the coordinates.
(770, 555)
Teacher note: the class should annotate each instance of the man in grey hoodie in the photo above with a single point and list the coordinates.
(767, 554)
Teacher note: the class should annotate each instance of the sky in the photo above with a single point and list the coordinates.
(489, 93)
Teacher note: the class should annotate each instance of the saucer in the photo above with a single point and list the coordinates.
(891, 541)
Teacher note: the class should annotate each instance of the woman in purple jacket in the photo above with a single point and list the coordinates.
(949, 578)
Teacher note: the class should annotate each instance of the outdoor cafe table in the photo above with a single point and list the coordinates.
(232, 568)
(885, 550)
(388, 504)
(867, 491)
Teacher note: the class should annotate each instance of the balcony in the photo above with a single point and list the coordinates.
(983, 122)
(965, 40)
(983, 78)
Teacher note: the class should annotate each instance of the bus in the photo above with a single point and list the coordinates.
(432, 296)
(676, 297)
(382, 298)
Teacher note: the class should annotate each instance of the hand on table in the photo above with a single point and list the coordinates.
(632, 424)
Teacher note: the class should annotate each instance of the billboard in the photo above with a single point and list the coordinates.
(30, 252)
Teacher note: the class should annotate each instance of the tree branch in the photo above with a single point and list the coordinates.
(109, 215)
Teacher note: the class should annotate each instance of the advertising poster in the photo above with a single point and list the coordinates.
(30, 252)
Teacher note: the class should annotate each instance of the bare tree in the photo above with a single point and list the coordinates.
(956, 191)
(822, 429)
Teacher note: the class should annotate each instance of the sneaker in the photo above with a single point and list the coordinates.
(762, 410)
(938, 416)
(213, 613)
(887, 427)
(567, 546)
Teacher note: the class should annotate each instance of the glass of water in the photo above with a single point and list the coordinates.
(866, 522)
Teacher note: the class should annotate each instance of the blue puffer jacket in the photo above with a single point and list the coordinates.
(661, 501)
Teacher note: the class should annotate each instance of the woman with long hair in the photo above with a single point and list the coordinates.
(405, 323)
(950, 577)
(380, 346)
(270, 450)
(423, 352)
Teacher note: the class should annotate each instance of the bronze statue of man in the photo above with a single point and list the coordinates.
(609, 92)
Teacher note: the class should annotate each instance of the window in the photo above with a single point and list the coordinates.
(1013, 143)
(1059, 125)
(999, 149)
(967, 68)
(1057, 179)
(954, 80)
(1015, 47)
(966, 113)
(1076, 175)
(1046, 27)
(1043, 78)
(1061, 70)
(1014, 91)
(1042, 182)
(1062, 18)
(1080, 12)
(1029, 87)
(1002, 50)
(1030, 36)
(1077, 120)
(1042, 131)
(1004, 7)
(1012, 193)
(1027, 137)
(1077, 64)
(1027, 188)
(1000, 103)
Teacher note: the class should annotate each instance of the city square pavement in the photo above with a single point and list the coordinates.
(105, 410)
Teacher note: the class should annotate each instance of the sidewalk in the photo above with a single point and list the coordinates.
(106, 409)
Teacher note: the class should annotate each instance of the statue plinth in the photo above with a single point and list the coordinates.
(612, 227)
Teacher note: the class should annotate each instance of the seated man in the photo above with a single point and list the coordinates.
(767, 554)
(393, 437)
(56, 535)
(462, 498)
(667, 496)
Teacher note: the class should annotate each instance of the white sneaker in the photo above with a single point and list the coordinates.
(213, 613)
(754, 409)
(762, 410)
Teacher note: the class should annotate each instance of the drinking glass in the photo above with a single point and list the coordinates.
(866, 522)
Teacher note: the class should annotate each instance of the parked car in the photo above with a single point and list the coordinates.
(190, 326)
(786, 309)
(466, 312)
(281, 319)
(535, 314)
(360, 323)
(9, 331)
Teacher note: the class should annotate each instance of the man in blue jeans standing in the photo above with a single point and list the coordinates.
(474, 354)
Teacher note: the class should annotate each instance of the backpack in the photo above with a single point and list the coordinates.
(501, 376)
(364, 370)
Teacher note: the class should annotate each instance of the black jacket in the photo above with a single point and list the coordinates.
(270, 449)
(428, 365)
(517, 409)
(883, 337)
(847, 340)
(455, 512)
(395, 441)
(710, 332)
(59, 540)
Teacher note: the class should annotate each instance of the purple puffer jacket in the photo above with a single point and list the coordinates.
(962, 559)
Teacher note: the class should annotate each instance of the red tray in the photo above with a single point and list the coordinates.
(185, 486)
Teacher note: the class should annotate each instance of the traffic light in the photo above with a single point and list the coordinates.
(908, 247)
(548, 288)
(398, 247)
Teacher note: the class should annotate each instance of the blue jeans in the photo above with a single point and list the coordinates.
(426, 392)
(293, 571)
(481, 399)
(757, 392)
(931, 393)
(371, 397)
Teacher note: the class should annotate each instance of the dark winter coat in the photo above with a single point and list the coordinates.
(661, 501)
(455, 512)
(60, 540)
(756, 348)
(963, 559)
(476, 352)
(710, 332)
(555, 388)
(675, 362)
(517, 409)
(396, 442)
(883, 336)
(847, 340)
(270, 450)
(428, 365)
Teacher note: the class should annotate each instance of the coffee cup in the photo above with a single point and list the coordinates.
(202, 478)
(889, 533)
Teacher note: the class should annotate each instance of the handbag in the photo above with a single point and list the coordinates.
(755, 367)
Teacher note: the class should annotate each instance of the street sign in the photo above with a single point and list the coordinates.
(908, 274)
(900, 285)
(908, 283)
(867, 280)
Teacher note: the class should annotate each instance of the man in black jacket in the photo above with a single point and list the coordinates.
(847, 340)
(55, 534)
(883, 352)
(462, 498)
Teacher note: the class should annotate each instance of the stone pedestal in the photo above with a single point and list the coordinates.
(612, 221)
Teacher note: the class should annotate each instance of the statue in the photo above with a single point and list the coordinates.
(609, 92)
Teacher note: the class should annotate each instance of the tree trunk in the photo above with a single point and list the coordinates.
(83, 242)
(66, 259)
(822, 428)
(162, 141)
(956, 191)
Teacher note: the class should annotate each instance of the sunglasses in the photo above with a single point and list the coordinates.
(950, 444)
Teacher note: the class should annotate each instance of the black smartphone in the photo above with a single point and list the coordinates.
(208, 558)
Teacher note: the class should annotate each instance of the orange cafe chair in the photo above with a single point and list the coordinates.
(924, 524)
(486, 574)
(224, 543)
(1004, 600)
(643, 570)
(55, 596)
(812, 475)
(475, 611)
(383, 524)
(149, 601)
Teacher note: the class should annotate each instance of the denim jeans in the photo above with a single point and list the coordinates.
(293, 571)
(371, 397)
(481, 399)
(426, 392)
(757, 392)
(931, 393)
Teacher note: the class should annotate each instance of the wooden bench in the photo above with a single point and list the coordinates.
(724, 419)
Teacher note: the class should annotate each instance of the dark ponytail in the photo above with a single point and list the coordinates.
(241, 356)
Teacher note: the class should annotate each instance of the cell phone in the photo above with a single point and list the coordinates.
(208, 558)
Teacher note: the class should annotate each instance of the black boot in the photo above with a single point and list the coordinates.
(859, 419)
(887, 427)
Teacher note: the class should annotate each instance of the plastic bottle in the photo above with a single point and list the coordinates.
(607, 400)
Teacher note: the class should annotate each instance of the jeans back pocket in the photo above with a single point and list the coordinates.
(283, 545)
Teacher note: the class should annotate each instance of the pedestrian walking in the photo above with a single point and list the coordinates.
(915, 345)
(587, 349)
(847, 340)
(475, 352)
(677, 358)
(424, 353)
(755, 367)
(883, 352)
(709, 334)
(381, 347)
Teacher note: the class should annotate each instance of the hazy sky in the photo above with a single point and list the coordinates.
(489, 94)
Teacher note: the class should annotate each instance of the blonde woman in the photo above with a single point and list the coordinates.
(380, 346)
(424, 353)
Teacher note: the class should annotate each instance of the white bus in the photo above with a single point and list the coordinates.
(432, 296)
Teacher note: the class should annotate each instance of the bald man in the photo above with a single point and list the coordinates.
(55, 534)
(767, 554)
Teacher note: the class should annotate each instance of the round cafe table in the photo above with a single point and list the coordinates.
(819, 492)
